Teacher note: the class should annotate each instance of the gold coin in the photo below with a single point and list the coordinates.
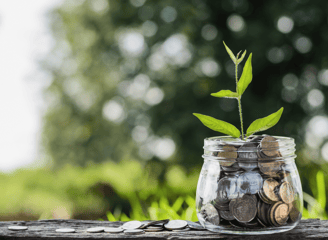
(270, 146)
(281, 214)
(244, 209)
(283, 175)
(269, 186)
(271, 214)
(226, 163)
(270, 168)
(265, 199)
(286, 192)
(228, 152)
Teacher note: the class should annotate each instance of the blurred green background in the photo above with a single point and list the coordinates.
(119, 136)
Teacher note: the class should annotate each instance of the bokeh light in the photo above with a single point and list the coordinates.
(113, 111)
(316, 98)
(323, 77)
(209, 32)
(169, 14)
(236, 23)
(275, 55)
(285, 24)
(303, 44)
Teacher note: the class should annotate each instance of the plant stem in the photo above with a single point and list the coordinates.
(239, 103)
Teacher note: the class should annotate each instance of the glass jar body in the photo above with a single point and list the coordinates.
(249, 187)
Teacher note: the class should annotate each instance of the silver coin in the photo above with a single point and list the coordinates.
(65, 230)
(186, 229)
(175, 224)
(132, 225)
(113, 230)
(250, 182)
(158, 222)
(134, 231)
(194, 225)
(153, 229)
(95, 229)
(227, 189)
(145, 224)
(17, 228)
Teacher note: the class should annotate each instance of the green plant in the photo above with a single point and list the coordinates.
(241, 85)
(316, 206)
(182, 208)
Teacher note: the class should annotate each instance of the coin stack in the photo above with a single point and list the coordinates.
(254, 188)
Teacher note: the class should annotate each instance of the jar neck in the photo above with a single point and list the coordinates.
(255, 148)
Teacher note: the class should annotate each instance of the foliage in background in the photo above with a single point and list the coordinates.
(126, 84)
(88, 193)
(115, 191)
(183, 208)
(128, 74)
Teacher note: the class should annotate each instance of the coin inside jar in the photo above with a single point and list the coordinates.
(286, 192)
(263, 210)
(227, 189)
(270, 168)
(227, 152)
(227, 215)
(247, 151)
(250, 182)
(211, 214)
(271, 214)
(244, 209)
(268, 189)
(270, 146)
(294, 213)
(281, 214)
(232, 168)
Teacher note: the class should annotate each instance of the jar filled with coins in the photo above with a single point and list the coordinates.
(249, 187)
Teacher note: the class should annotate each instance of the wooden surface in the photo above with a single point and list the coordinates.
(45, 229)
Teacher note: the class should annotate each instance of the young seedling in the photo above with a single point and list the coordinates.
(258, 125)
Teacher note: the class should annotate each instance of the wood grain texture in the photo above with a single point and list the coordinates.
(45, 230)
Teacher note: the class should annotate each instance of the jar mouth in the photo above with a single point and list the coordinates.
(290, 158)
(257, 148)
(228, 139)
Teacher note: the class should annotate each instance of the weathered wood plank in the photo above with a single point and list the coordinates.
(45, 229)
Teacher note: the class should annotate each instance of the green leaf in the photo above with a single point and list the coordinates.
(241, 58)
(265, 123)
(218, 125)
(232, 56)
(225, 94)
(246, 76)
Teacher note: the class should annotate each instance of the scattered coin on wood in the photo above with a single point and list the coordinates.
(113, 230)
(17, 228)
(95, 229)
(132, 225)
(176, 224)
(65, 230)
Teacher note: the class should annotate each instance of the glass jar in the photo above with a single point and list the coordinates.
(249, 187)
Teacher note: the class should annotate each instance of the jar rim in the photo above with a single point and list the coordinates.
(238, 140)
(226, 148)
(290, 158)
